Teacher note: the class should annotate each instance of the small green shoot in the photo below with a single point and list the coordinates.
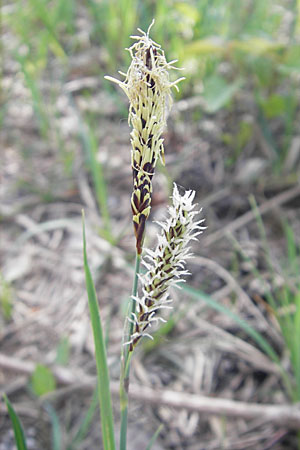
(63, 352)
(42, 380)
(6, 302)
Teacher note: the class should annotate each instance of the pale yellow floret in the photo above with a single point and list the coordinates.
(151, 104)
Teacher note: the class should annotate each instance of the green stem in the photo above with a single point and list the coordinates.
(132, 305)
(126, 357)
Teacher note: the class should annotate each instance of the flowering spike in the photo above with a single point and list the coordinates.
(166, 265)
(148, 88)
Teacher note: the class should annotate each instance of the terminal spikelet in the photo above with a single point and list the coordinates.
(148, 88)
(166, 265)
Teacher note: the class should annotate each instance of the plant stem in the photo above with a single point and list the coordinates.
(132, 305)
(126, 357)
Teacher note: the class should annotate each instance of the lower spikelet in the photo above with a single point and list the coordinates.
(166, 264)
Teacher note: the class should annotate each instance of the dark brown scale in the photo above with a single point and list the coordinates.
(149, 302)
(148, 62)
(145, 204)
(165, 280)
(151, 83)
(134, 173)
(139, 233)
(135, 200)
(143, 186)
(148, 167)
(144, 317)
(161, 293)
(146, 326)
(144, 191)
(148, 56)
(167, 258)
(136, 225)
(135, 341)
(134, 211)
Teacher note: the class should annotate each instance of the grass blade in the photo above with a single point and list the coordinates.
(256, 336)
(154, 437)
(56, 431)
(106, 413)
(86, 422)
(17, 426)
(96, 169)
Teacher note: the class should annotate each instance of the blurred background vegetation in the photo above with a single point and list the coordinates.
(226, 48)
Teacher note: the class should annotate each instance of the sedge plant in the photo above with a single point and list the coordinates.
(148, 88)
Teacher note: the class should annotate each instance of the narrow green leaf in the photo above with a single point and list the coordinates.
(106, 414)
(86, 422)
(63, 352)
(154, 437)
(17, 426)
(218, 92)
(258, 338)
(291, 247)
(96, 169)
(297, 343)
(56, 431)
(42, 380)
